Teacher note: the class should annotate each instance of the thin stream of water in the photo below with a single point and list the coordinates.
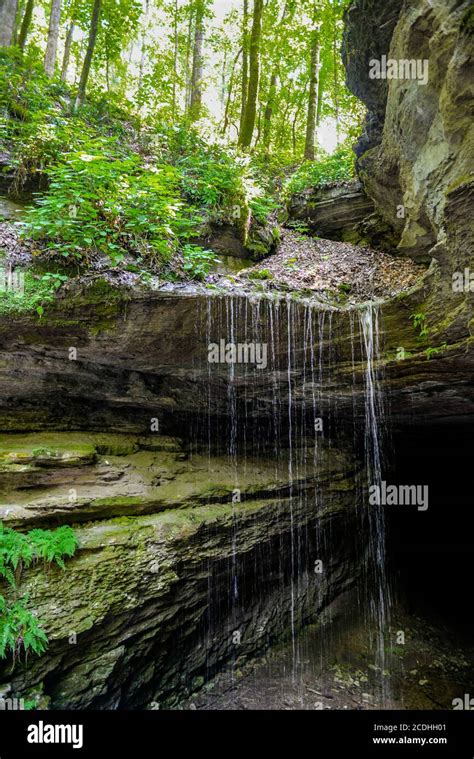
(304, 387)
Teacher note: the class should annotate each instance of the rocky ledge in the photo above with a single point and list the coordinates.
(334, 211)
(174, 577)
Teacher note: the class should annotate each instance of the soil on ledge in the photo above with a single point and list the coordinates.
(353, 272)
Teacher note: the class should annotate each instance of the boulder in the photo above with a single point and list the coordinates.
(332, 212)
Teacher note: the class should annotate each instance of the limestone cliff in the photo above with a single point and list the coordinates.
(416, 158)
(172, 580)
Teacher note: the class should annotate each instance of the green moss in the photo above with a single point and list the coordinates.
(108, 444)
(261, 274)
(463, 179)
(120, 500)
(67, 448)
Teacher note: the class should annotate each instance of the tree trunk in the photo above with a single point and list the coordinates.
(67, 51)
(245, 62)
(336, 75)
(188, 59)
(259, 127)
(230, 89)
(141, 69)
(53, 34)
(267, 117)
(310, 146)
(175, 59)
(25, 24)
(195, 105)
(7, 22)
(248, 125)
(298, 110)
(81, 94)
(320, 102)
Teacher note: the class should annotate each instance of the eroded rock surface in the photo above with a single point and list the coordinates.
(332, 212)
(152, 601)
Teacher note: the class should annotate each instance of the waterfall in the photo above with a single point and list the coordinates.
(379, 593)
(285, 410)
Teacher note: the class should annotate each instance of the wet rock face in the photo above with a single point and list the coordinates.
(147, 358)
(418, 167)
(254, 243)
(332, 212)
(162, 598)
(416, 164)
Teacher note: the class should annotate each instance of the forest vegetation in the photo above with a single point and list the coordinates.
(141, 122)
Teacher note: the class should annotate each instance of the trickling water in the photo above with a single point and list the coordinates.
(278, 409)
(380, 597)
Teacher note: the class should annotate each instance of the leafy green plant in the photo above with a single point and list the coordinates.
(420, 325)
(212, 180)
(102, 203)
(345, 288)
(38, 290)
(338, 167)
(262, 206)
(19, 627)
(299, 226)
(198, 262)
(430, 352)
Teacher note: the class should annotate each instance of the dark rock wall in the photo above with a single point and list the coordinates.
(152, 605)
(420, 155)
(332, 212)
(416, 162)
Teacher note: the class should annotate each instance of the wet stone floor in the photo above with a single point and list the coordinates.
(333, 669)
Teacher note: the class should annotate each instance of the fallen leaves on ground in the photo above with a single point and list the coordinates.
(356, 273)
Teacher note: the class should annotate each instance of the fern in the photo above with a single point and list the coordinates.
(53, 545)
(419, 323)
(14, 547)
(19, 628)
(50, 545)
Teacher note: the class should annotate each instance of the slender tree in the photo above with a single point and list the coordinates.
(195, 104)
(248, 124)
(230, 88)
(272, 94)
(86, 67)
(67, 50)
(269, 108)
(188, 66)
(53, 35)
(175, 57)
(25, 24)
(145, 23)
(8, 13)
(335, 70)
(245, 62)
(315, 57)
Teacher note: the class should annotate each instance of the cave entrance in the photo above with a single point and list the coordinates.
(430, 553)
